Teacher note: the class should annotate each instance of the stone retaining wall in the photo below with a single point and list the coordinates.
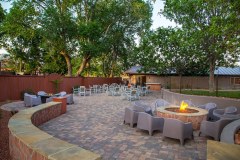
(176, 98)
(26, 141)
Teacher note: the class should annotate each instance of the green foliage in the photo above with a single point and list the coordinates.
(228, 94)
(41, 31)
(214, 26)
(169, 50)
(56, 84)
(29, 91)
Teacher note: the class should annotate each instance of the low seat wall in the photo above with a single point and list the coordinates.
(26, 141)
(221, 102)
(228, 133)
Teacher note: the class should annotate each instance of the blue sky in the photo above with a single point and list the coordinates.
(158, 21)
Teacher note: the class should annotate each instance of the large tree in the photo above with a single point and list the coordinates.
(21, 38)
(110, 30)
(215, 26)
(169, 50)
(78, 29)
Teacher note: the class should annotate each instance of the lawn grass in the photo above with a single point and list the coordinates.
(228, 94)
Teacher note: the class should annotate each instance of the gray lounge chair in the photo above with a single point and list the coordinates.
(210, 107)
(214, 129)
(177, 129)
(31, 100)
(189, 102)
(149, 123)
(68, 96)
(142, 107)
(224, 113)
(41, 93)
(161, 103)
(131, 116)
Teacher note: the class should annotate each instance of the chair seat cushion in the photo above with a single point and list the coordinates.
(148, 111)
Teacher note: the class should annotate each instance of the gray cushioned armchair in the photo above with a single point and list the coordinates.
(130, 116)
(210, 107)
(177, 129)
(214, 129)
(149, 123)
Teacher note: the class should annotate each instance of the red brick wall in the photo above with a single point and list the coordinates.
(18, 149)
(45, 115)
(12, 86)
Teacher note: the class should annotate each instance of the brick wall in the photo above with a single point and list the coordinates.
(26, 141)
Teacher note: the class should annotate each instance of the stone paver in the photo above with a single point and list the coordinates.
(96, 123)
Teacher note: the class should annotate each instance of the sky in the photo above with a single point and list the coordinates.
(158, 21)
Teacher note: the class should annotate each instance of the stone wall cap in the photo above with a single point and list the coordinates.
(199, 113)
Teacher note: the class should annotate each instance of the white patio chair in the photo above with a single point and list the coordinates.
(75, 90)
(117, 91)
(134, 95)
(82, 91)
(143, 91)
(105, 87)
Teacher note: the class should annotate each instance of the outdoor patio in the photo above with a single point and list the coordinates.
(95, 123)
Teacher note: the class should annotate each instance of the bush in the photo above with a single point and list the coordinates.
(29, 91)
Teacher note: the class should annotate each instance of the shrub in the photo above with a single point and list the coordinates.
(76, 86)
(29, 91)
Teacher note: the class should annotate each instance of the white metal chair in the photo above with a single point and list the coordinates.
(116, 91)
(133, 95)
(82, 91)
(75, 90)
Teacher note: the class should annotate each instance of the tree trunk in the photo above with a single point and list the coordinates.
(211, 76)
(20, 65)
(113, 63)
(85, 60)
(68, 60)
(180, 83)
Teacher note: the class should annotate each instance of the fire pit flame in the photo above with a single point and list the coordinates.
(183, 106)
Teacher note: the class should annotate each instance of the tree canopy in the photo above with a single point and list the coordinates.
(80, 31)
(214, 26)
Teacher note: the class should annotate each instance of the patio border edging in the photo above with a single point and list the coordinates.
(26, 141)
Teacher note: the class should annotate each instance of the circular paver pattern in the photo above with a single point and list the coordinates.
(96, 123)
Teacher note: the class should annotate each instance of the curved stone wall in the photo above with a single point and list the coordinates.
(176, 98)
(26, 141)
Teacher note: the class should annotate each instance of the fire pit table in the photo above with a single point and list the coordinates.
(190, 114)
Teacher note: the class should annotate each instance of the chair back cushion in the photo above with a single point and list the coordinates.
(230, 110)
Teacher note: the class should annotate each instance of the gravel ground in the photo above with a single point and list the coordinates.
(4, 149)
(7, 109)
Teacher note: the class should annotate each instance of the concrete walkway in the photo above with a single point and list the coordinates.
(96, 123)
